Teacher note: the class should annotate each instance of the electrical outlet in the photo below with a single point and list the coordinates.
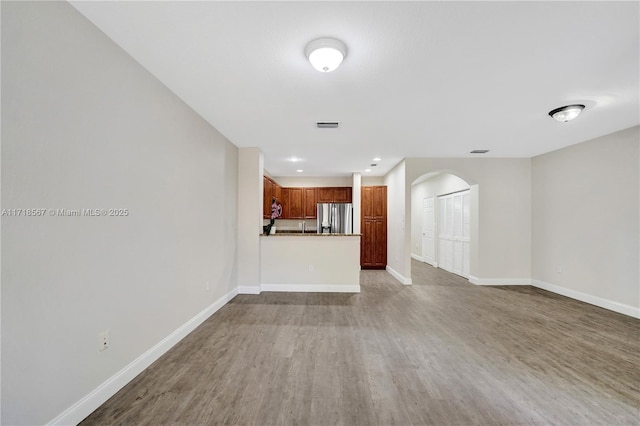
(310, 268)
(103, 341)
(559, 269)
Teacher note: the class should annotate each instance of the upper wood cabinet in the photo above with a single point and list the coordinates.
(310, 203)
(339, 194)
(301, 203)
(326, 195)
(270, 191)
(284, 193)
(294, 205)
(342, 194)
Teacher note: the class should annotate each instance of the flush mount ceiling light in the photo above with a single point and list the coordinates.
(325, 54)
(566, 113)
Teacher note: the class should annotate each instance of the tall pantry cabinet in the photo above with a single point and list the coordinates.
(373, 227)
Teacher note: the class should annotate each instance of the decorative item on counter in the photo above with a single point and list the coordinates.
(276, 212)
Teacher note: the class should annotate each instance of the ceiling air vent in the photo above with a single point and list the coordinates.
(327, 124)
(479, 151)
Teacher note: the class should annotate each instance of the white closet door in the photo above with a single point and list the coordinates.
(428, 231)
(454, 233)
(466, 233)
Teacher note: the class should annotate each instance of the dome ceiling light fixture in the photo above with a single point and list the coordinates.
(325, 54)
(566, 113)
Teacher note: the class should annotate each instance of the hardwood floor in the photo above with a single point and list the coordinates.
(440, 352)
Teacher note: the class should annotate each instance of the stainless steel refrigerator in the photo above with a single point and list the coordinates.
(335, 218)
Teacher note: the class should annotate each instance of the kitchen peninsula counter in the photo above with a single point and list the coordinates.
(310, 262)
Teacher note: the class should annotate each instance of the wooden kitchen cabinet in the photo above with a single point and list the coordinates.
(342, 194)
(373, 227)
(268, 191)
(294, 203)
(271, 190)
(284, 193)
(338, 194)
(326, 195)
(301, 203)
(310, 203)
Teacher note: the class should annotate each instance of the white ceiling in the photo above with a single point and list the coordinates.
(421, 79)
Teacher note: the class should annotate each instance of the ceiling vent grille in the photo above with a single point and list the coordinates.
(479, 151)
(327, 124)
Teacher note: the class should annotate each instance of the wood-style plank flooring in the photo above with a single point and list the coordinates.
(440, 352)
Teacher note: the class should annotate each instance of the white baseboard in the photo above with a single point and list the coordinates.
(499, 281)
(588, 298)
(312, 288)
(423, 260)
(246, 289)
(398, 276)
(81, 409)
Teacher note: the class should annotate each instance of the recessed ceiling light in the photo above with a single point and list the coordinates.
(367, 170)
(294, 159)
(566, 113)
(325, 54)
(377, 159)
(299, 170)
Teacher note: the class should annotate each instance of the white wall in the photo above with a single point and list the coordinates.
(372, 180)
(250, 197)
(356, 196)
(439, 184)
(85, 126)
(398, 224)
(585, 220)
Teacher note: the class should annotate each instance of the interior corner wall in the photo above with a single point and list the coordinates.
(84, 126)
(250, 205)
(586, 223)
(356, 198)
(398, 224)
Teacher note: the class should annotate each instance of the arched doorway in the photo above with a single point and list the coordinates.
(442, 221)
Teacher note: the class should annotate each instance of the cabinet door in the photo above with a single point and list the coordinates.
(295, 203)
(278, 192)
(284, 194)
(266, 197)
(366, 244)
(366, 202)
(310, 203)
(379, 202)
(341, 194)
(379, 243)
(326, 195)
